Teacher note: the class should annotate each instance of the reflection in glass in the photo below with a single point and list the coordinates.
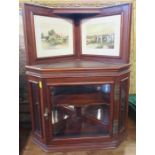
(36, 107)
(123, 104)
(80, 110)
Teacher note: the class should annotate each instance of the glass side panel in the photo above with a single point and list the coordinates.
(123, 103)
(80, 110)
(36, 107)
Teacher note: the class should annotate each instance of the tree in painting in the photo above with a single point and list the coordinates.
(53, 40)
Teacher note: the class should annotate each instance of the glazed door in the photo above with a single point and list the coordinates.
(34, 93)
(80, 111)
(123, 105)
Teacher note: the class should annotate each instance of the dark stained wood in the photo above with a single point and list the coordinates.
(78, 65)
(36, 134)
(80, 142)
(83, 99)
(76, 11)
(128, 147)
(125, 12)
(76, 70)
(76, 15)
(29, 33)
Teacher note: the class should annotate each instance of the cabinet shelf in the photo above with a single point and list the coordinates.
(90, 121)
(80, 100)
(79, 126)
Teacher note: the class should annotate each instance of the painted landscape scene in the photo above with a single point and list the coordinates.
(54, 40)
(100, 36)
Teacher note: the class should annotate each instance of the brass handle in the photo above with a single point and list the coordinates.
(46, 113)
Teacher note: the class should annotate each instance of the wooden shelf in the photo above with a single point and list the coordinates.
(77, 64)
(79, 126)
(82, 124)
(79, 100)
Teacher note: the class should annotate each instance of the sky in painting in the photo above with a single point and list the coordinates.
(45, 24)
(100, 29)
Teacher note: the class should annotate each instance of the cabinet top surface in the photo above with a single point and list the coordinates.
(77, 65)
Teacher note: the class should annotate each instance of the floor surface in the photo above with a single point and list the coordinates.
(128, 147)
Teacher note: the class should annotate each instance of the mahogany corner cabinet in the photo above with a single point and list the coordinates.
(78, 75)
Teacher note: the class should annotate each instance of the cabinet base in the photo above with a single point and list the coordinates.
(81, 146)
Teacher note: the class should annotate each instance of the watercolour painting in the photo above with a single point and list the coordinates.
(101, 35)
(54, 36)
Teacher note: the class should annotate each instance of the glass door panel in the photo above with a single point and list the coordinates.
(80, 110)
(123, 103)
(36, 108)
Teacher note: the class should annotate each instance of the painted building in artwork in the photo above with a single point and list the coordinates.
(105, 38)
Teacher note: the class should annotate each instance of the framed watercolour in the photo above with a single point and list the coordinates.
(54, 36)
(48, 36)
(101, 35)
(58, 34)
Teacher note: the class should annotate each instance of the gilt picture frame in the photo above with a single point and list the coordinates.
(101, 36)
(53, 36)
